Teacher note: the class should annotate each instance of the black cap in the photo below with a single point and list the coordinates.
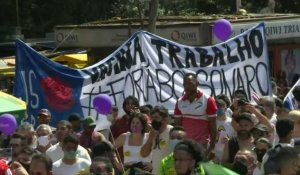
(261, 127)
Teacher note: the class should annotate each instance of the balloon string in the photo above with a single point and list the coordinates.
(117, 152)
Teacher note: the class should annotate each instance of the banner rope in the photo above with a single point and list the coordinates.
(116, 150)
(64, 39)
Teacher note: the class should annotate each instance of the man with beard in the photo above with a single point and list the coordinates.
(55, 152)
(244, 139)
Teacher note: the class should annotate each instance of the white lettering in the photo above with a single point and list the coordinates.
(34, 95)
(25, 88)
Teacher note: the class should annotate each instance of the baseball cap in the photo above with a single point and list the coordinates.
(244, 116)
(261, 127)
(45, 112)
(89, 121)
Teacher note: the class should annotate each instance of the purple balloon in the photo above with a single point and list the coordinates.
(8, 124)
(102, 103)
(222, 29)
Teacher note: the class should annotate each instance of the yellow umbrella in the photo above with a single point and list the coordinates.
(72, 60)
(12, 105)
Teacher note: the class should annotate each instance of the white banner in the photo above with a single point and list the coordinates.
(152, 69)
(146, 66)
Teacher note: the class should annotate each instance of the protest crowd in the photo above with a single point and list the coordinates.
(206, 135)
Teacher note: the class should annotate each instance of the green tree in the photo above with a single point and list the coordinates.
(39, 16)
(7, 19)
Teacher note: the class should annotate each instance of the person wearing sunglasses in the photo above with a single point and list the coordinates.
(260, 130)
(262, 145)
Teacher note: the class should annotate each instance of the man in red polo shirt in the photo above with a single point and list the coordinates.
(196, 112)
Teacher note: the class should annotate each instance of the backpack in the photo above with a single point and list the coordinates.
(271, 165)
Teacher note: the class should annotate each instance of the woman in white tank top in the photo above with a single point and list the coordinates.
(133, 141)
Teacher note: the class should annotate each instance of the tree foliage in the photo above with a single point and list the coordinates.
(39, 16)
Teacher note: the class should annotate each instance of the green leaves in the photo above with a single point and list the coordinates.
(38, 17)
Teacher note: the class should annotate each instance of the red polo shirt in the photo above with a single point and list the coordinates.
(195, 116)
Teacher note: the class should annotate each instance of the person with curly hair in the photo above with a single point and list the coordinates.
(188, 154)
(132, 142)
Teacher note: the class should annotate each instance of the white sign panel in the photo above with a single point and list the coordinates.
(274, 29)
(115, 36)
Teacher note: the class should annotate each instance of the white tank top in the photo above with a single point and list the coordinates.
(132, 153)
